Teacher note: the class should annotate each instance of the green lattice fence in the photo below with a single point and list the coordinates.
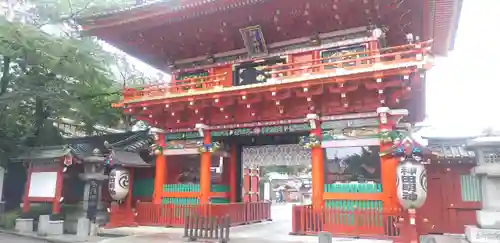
(347, 211)
(192, 188)
(181, 187)
(354, 188)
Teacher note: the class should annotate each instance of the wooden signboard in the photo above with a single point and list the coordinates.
(253, 131)
(262, 130)
(182, 144)
(255, 72)
(253, 38)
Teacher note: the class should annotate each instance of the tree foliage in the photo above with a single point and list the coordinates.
(51, 76)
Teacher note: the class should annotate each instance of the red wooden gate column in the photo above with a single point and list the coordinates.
(161, 170)
(318, 176)
(205, 177)
(56, 203)
(233, 173)
(389, 164)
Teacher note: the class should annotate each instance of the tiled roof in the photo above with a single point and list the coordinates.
(453, 148)
(138, 141)
(162, 7)
(165, 5)
(128, 159)
(124, 9)
(43, 153)
(484, 141)
(83, 148)
(451, 151)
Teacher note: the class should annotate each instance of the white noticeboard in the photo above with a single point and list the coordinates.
(267, 191)
(43, 184)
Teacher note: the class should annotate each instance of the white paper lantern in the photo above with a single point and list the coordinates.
(118, 185)
(411, 182)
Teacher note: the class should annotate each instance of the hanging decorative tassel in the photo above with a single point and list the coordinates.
(212, 148)
(311, 141)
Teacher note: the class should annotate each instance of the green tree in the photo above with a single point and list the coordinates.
(357, 163)
(294, 169)
(50, 76)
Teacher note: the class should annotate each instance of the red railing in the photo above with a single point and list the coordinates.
(177, 86)
(365, 223)
(172, 215)
(350, 61)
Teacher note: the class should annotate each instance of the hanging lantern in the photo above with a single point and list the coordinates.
(118, 184)
(68, 160)
(411, 183)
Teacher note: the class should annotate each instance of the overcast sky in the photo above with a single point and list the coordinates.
(463, 88)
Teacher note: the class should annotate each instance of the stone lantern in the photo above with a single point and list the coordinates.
(487, 230)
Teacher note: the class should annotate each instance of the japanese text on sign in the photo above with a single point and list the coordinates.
(409, 181)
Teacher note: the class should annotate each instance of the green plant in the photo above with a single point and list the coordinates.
(8, 219)
(56, 217)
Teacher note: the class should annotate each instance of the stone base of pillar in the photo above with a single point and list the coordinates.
(488, 219)
(94, 229)
(24, 225)
(43, 222)
(83, 227)
(55, 227)
(441, 239)
(475, 234)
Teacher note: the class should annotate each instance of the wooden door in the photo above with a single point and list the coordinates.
(246, 185)
(463, 198)
(432, 213)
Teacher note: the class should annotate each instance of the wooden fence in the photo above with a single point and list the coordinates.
(173, 215)
(364, 223)
(217, 228)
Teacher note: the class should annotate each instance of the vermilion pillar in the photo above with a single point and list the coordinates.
(205, 177)
(233, 172)
(56, 203)
(389, 164)
(318, 176)
(161, 170)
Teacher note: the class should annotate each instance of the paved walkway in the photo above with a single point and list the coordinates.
(9, 238)
(275, 231)
(35, 238)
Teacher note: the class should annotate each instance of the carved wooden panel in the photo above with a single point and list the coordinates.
(287, 154)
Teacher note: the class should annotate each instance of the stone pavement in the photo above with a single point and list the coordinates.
(35, 238)
(275, 231)
(9, 238)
